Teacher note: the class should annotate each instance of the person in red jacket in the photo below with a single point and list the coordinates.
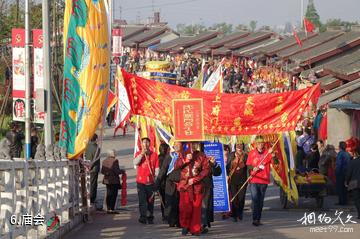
(147, 163)
(194, 168)
(258, 162)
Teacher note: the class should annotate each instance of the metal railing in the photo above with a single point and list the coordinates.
(35, 190)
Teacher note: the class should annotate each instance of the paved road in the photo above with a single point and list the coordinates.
(278, 223)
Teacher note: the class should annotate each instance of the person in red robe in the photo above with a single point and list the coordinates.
(194, 168)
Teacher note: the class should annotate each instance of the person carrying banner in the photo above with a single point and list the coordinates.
(237, 171)
(171, 177)
(207, 208)
(147, 164)
(194, 168)
(258, 163)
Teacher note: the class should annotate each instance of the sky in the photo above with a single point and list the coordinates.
(207, 12)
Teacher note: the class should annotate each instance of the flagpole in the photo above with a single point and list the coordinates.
(302, 14)
(27, 81)
(47, 73)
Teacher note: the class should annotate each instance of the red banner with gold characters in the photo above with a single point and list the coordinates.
(224, 114)
(188, 119)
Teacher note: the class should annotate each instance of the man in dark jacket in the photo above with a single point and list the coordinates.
(163, 156)
(15, 137)
(353, 180)
(171, 177)
(313, 158)
(207, 206)
(342, 160)
(111, 170)
(34, 139)
(92, 154)
(237, 175)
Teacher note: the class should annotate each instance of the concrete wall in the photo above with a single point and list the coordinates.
(338, 126)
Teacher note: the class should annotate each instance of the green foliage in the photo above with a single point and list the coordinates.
(312, 15)
(194, 29)
(190, 29)
(252, 25)
(5, 126)
(339, 23)
(241, 27)
(223, 27)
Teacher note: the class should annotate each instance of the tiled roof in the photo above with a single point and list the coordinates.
(252, 38)
(308, 44)
(329, 82)
(229, 38)
(254, 48)
(222, 51)
(345, 66)
(153, 41)
(285, 43)
(129, 32)
(202, 37)
(338, 45)
(147, 35)
(166, 46)
(198, 47)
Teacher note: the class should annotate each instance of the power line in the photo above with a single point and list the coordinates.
(160, 5)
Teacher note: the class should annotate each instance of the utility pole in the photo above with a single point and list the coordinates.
(48, 132)
(302, 15)
(17, 12)
(27, 82)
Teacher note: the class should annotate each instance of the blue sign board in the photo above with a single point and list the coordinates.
(221, 195)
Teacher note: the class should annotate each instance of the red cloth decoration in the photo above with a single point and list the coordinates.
(309, 26)
(352, 144)
(323, 128)
(297, 38)
(123, 190)
(224, 114)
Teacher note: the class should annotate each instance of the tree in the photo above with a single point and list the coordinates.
(312, 15)
(190, 29)
(223, 27)
(339, 23)
(252, 25)
(241, 27)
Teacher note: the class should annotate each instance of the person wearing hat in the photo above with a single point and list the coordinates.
(147, 164)
(15, 136)
(258, 162)
(111, 171)
(194, 168)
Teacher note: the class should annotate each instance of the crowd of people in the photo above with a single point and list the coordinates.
(240, 76)
(182, 179)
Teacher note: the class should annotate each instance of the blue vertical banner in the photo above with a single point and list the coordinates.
(221, 195)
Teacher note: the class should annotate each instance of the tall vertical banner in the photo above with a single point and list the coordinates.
(221, 195)
(86, 73)
(117, 42)
(39, 117)
(18, 63)
(122, 109)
